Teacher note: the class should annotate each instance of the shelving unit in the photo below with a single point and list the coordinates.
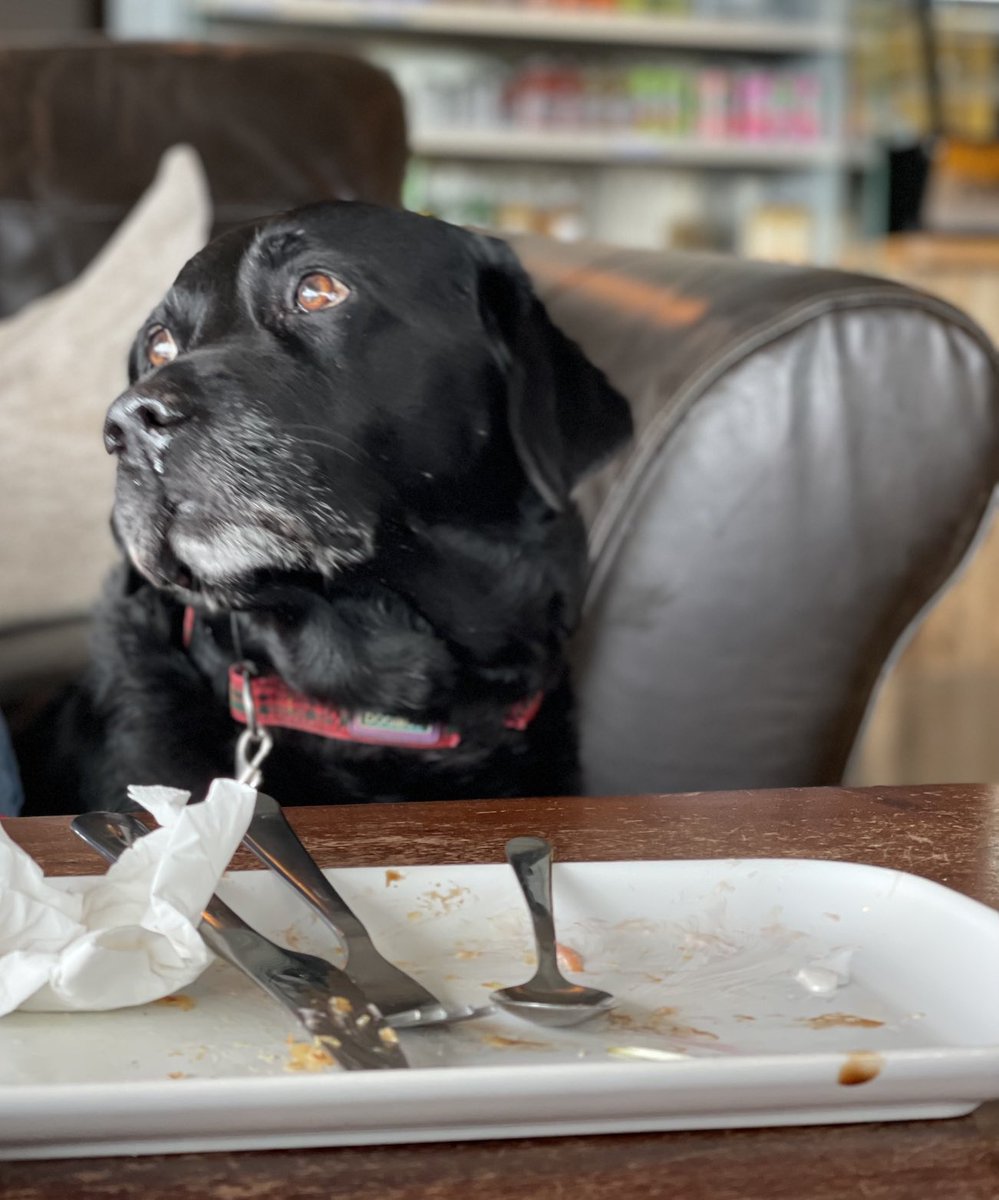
(971, 17)
(451, 20)
(638, 186)
(633, 149)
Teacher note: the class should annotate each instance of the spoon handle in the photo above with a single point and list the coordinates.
(531, 860)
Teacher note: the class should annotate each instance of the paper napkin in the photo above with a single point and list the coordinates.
(130, 936)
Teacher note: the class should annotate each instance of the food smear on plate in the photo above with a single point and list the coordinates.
(308, 1056)
(393, 876)
(502, 1043)
(291, 938)
(439, 902)
(659, 1021)
(179, 1000)
(835, 1020)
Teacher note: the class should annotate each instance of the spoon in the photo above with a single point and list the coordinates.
(547, 998)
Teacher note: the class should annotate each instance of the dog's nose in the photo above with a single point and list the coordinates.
(135, 418)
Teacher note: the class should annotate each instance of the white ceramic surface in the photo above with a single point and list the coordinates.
(713, 1029)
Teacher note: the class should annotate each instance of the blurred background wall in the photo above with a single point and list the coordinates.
(861, 133)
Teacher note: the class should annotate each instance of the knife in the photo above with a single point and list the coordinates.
(405, 1003)
(325, 1000)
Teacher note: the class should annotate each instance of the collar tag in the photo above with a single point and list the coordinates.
(384, 730)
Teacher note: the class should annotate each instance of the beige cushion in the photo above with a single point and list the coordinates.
(62, 362)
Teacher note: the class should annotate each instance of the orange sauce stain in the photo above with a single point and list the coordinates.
(184, 1003)
(660, 1021)
(835, 1020)
(860, 1067)
(500, 1042)
(393, 877)
(568, 958)
(444, 902)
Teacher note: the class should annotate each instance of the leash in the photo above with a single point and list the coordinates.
(254, 744)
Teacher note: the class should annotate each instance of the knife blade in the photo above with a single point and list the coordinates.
(404, 1002)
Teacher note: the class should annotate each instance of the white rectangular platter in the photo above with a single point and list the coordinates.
(713, 1030)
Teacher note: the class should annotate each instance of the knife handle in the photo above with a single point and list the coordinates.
(277, 845)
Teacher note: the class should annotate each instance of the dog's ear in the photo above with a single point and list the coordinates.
(565, 418)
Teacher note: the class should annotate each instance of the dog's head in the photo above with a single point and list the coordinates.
(312, 379)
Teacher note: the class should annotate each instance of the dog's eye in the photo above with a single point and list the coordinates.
(318, 290)
(160, 346)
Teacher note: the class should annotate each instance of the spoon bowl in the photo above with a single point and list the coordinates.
(548, 998)
(561, 1006)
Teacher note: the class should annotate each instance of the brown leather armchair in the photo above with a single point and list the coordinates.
(816, 451)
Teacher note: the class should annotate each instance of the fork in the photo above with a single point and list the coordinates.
(405, 1003)
(324, 999)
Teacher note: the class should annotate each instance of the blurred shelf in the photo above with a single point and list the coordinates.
(630, 148)
(968, 18)
(538, 24)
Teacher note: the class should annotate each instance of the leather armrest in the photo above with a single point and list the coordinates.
(815, 455)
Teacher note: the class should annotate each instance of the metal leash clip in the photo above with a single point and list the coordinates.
(254, 743)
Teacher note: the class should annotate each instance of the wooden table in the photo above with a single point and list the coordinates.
(950, 834)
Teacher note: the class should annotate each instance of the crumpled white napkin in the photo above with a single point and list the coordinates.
(130, 936)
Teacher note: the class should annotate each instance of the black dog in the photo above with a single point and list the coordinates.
(346, 456)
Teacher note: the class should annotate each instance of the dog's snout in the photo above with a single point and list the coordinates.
(141, 419)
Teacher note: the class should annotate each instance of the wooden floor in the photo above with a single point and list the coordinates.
(936, 716)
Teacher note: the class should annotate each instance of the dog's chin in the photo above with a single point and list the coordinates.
(171, 575)
(256, 590)
(217, 596)
(254, 587)
(236, 567)
(217, 562)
